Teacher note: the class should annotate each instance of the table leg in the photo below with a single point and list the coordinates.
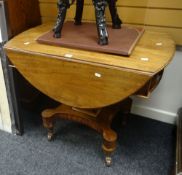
(49, 124)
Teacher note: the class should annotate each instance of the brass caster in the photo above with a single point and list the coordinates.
(108, 161)
(50, 136)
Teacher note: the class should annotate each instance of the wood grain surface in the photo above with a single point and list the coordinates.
(88, 79)
(157, 47)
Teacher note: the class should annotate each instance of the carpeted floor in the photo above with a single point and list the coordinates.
(145, 147)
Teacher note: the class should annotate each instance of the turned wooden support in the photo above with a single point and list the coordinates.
(49, 124)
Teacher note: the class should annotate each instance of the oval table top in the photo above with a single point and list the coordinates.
(87, 79)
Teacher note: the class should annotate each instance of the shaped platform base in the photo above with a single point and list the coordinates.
(98, 119)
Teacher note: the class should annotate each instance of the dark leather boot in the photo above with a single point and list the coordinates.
(100, 21)
(79, 12)
(116, 21)
(63, 5)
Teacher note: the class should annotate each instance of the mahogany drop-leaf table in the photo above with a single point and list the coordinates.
(91, 87)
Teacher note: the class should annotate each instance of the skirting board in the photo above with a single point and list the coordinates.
(4, 127)
(178, 163)
(1, 123)
(5, 120)
(155, 114)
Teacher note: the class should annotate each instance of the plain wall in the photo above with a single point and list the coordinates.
(5, 120)
(166, 99)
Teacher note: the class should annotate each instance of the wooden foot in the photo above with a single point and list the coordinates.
(108, 161)
(50, 134)
(109, 145)
(49, 125)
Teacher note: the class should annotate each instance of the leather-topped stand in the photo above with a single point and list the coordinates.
(121, 41)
